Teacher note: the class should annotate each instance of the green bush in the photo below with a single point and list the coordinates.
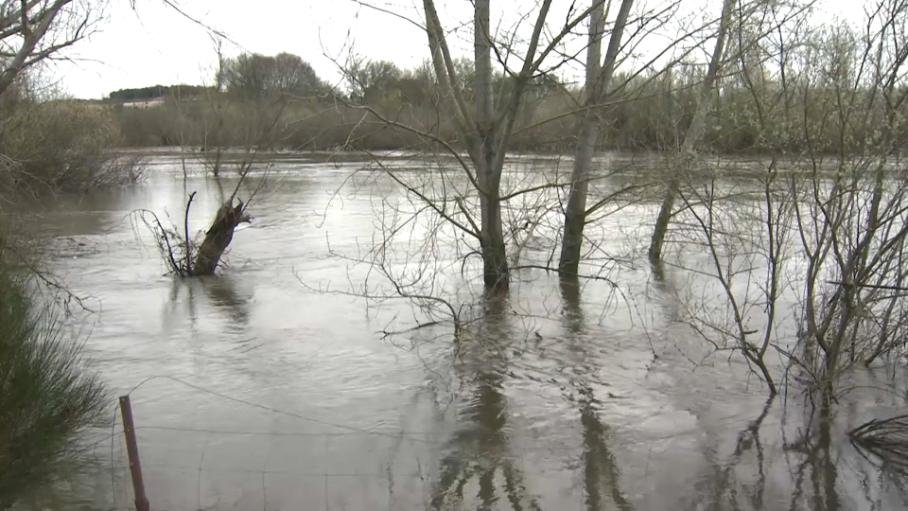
(45, 398)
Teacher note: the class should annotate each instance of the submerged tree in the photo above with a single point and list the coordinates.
(598, 79)
(852, 209)
(485, 129)
(824, 228)
(184, 255)
(484, 120)
(694, 134)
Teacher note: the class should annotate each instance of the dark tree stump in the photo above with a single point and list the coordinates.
(218, 238)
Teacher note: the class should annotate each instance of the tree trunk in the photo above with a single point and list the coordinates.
(695, 132)
(218, 238)
(664, 217)
(575, 212)
(485, 131)
(495, 271)
(596, 84)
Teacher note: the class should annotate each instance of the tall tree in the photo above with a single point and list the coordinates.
(488, 126)
(598, 78)
(695, 131)
(255, 76)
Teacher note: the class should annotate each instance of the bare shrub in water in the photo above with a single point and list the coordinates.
(851, 209)
(745, 239)
(841, 215)
(853, 230)
(45, 397)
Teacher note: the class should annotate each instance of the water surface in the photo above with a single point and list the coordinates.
(271, 387)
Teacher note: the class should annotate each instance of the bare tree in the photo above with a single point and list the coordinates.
(695, 132)
(598, 79)
(32, 31)
(850, 197)
(746, 228)
(745, 234)
(828, 234)
(485, 122)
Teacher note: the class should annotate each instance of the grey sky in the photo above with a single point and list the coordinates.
(154, 44)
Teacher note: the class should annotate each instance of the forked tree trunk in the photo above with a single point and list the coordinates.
(218, 238)
(596, 84)
(485, 128)
(695, 132)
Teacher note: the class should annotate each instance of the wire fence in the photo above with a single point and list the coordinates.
(279, 466)
(256, 456)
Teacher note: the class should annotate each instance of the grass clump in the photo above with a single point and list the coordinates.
(46, 399)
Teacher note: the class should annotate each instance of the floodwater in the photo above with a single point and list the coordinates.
(274, 386)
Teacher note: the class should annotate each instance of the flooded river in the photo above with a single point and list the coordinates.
(272, 387)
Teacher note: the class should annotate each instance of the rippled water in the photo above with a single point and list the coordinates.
(258, 389)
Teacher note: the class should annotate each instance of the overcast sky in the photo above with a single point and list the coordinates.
(153, 44)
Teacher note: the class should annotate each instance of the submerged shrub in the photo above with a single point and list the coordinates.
(46, 400)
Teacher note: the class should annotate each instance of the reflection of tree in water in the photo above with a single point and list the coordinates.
(601, 476)
(667, 292)
(222, 293)
(815, 463)
(480, 450)
(481, 467)
(723, 486)
(177, 287)
(814, 445)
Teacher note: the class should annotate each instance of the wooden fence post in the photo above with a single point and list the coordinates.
(132, 450)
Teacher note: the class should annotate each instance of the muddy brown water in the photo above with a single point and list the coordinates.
(260, 389)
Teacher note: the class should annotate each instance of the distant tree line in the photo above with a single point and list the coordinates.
(645, 112)
(254, 76)
(158, 91)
